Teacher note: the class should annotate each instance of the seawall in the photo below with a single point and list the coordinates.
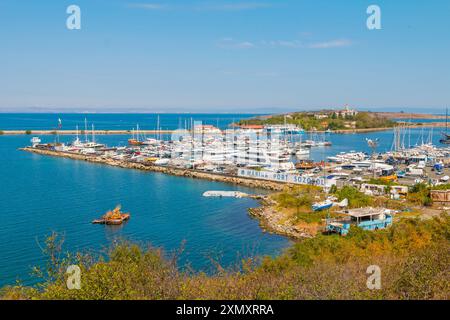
(153, 132)
(188, 173)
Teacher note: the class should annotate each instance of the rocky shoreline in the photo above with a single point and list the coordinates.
(273, 221)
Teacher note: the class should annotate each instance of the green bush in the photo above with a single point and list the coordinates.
(356, 199)
(420, 194)
(414, 256)
(28, 132)
(298, 196)
(441, 187)
(333, 189)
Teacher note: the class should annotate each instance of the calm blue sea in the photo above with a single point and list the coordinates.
(43, 194)
(115, 121)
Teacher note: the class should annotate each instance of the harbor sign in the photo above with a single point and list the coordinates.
(286, 178)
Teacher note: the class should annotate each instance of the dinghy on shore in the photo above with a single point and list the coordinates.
(324, 205)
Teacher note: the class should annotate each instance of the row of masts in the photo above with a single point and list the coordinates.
(402, 138)
(86, 132)
(401, 132)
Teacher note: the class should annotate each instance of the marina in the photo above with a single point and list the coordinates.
(241, 161)
(249, 152)
(266, 153)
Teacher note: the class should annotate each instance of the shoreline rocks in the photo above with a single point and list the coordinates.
(271, 221)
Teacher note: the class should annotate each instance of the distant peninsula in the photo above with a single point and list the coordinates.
(346, 119)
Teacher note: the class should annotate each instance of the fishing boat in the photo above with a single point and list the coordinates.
(35, 141)
(135, 140)
(114, 217)
(305, 165)
(324, 205)
(401, 174)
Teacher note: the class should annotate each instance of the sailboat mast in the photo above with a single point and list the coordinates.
(85, 130)
(157, 129)
(446, 120)
(137, 132)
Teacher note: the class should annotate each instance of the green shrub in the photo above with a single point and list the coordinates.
(420, 194)
(356, 199)
(414, 256)
(28, 132)
(441, 187)
(333, 189)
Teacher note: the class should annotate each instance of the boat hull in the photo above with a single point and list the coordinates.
(117, 221)
(321, 207)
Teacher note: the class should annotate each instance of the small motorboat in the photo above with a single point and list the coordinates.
(401, 174)
(114, 217)
(162, 162)
(320, 206)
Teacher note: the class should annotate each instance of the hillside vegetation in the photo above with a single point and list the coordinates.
(414, 257)
(307, 120)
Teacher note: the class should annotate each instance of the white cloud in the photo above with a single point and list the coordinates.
(148, 6)
(283, 43)
(237, 6)
(240, 6)
(330, 44)
(230, 43)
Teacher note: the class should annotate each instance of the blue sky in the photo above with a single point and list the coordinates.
(223, 56)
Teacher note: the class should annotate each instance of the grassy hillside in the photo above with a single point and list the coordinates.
(306, 120)
(414, 257)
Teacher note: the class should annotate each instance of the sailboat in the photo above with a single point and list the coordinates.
(135, 140)
(446, 139)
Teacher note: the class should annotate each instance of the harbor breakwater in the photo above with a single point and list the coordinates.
(187, 173)
(154, 132)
